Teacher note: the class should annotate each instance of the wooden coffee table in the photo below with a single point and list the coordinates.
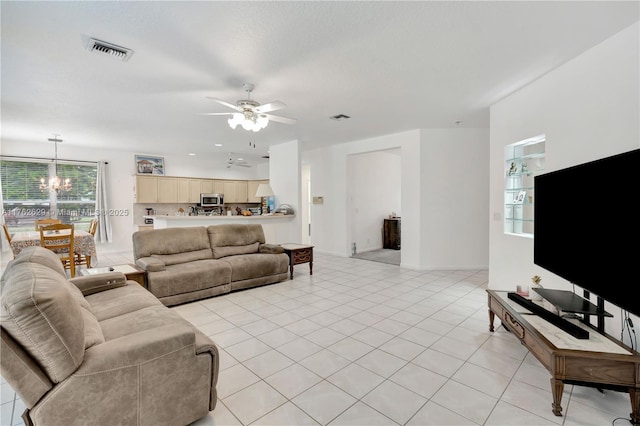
(298, 253)
(131, 271)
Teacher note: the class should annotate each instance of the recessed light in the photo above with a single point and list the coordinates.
(217, 144)
(192, 154)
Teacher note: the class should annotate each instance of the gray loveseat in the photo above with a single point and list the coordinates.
(99, 350)
(191, 263)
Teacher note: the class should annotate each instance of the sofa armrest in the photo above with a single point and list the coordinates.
(270, 248)
(151, 264)
(149, 377)
(91, 284)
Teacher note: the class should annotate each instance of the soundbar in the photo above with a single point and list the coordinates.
(563, 324)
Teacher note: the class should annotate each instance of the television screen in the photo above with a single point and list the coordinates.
(587, 228)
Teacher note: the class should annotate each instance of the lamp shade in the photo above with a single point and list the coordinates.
(264, 190)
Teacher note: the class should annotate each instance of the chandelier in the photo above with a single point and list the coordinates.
(55, 183)
(249, 120)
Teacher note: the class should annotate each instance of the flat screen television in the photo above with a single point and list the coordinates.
(587, 227)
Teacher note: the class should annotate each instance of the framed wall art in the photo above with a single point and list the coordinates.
(149, 165)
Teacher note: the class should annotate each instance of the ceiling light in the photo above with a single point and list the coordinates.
(217, 144)
(55, 183)
(192, 154)
(249, 120)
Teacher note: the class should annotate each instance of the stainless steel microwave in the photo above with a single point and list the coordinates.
(211, 200)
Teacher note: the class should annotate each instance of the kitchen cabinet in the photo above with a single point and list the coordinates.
(206, 187)
(391, 234)
(167, 190)
(235, 191)
(218, 186)
(195, 188)
(146, 190)
(252, 187)
(184, 190)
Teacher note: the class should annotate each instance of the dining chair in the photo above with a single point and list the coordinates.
(59, 238)
(44, 222)
(8, 235)
(82, 259)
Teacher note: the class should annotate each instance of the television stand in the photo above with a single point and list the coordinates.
(601, 362)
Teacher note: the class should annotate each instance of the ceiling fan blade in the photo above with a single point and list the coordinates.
(227, 104)
(271, 106)
(279, 119)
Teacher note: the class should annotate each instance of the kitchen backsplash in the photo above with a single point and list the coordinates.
(164, 209)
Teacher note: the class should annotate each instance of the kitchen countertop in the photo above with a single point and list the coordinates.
(219, 217)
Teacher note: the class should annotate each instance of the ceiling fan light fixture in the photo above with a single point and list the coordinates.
(235, 119)
(262, 121)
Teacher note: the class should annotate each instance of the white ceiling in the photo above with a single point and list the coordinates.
(391, 66)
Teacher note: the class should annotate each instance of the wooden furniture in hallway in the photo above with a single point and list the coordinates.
(298, 253)
(391, 234)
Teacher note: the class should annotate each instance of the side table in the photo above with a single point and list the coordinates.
(131, 271)
(298, 253)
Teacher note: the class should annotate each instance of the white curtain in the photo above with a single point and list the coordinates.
(103, 233)
(4, 244)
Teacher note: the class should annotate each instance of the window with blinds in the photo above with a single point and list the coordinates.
(24, 201)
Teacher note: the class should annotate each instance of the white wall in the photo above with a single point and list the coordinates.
(121, 170)
(374, 181)
(444, 219)
(285, 179)
(589, 108)
(455, 198)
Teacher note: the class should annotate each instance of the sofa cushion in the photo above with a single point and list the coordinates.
(120, 301)
(188, 277)
(220, 252)
(139, 320)
(170, 241)
(42, 256)
(235, 234)
(189, 256)
(39, 311)
(92, 331)
(248, 266)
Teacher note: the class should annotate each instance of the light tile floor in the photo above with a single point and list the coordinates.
(365, 343)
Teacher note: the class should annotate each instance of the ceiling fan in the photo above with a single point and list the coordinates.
(236, 162)
(250, 114)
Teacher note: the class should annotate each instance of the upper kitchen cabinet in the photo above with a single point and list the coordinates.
(146, 189)
(184, 190)
(252, 188)
(167, 190)
(235, 191)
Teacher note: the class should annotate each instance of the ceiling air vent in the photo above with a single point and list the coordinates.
(105, 48)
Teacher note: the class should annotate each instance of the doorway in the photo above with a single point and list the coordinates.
(374, 188)
(305, 204)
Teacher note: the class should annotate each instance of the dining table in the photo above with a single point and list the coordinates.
(83, 243)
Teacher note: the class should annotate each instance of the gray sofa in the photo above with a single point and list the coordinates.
(99, 350)
(192, 263)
